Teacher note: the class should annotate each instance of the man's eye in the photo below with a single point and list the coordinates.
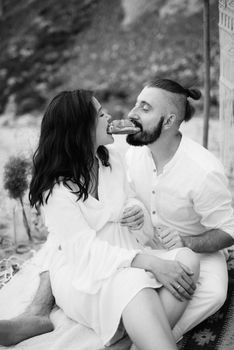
(145, 107)
(101, 115)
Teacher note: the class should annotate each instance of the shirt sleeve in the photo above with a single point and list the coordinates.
(213, 202)
(147, 232)
(92, 259)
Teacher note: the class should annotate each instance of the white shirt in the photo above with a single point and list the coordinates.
(191, 195)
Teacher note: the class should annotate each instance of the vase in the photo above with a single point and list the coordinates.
(22, 227)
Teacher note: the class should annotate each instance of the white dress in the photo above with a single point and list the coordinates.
(88, 252)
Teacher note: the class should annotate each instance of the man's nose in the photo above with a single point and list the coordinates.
(132, 114)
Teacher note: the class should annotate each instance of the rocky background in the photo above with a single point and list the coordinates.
(111, 46)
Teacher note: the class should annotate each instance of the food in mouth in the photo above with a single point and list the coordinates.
(122, 126)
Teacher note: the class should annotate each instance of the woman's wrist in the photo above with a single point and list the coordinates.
(144, 261)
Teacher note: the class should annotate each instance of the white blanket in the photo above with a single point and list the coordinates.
(67, 335)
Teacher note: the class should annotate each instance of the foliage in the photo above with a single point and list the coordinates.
(68, 44)
(15, 181)
(15, 178)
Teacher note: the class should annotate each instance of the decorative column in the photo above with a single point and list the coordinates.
(226, 36)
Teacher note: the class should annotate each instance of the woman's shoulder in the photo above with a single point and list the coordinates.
(60, 191)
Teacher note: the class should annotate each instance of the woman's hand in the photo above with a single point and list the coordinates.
(133, 217)
(174, 276)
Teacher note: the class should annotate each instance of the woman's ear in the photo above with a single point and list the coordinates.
(169, 121)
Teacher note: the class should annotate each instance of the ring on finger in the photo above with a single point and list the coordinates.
(178, 286)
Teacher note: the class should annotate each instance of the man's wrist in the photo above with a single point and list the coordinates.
(186, 241)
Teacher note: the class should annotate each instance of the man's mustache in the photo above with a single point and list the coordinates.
(137, 124)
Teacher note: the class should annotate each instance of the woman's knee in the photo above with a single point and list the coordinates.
(146, 300)
(146, 322)
(190, 259)
(145, 296)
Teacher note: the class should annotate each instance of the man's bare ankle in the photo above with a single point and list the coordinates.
(23, 327)
(39, 310)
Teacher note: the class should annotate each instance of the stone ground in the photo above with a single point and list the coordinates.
(20, 137)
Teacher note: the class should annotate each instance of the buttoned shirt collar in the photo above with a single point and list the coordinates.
(173, 160)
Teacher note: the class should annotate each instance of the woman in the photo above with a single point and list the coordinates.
(101, 275)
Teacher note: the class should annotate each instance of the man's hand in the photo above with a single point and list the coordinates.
(169, 238)
(133, 217)
(174, 276)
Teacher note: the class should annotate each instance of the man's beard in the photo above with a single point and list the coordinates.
(143, 138)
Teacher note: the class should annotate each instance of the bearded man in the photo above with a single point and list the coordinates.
(185, 190)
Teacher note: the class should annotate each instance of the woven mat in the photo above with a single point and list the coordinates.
(8, 267)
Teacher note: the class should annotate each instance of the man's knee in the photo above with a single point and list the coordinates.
(213, 294)
(213, 280)
(219, 295)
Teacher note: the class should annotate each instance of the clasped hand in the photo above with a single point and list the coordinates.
(169, 238)
(176, 277)
(133, 217)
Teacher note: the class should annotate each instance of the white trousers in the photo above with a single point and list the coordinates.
(210, 294)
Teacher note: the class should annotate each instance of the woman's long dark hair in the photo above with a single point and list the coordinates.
(66, 146)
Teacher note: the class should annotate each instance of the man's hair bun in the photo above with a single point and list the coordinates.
(173, 86)
(195, 94)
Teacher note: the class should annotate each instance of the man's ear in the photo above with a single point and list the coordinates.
(169, 121)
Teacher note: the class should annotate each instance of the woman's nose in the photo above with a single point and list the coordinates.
(108, 117)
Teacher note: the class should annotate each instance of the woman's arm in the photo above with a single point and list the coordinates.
(167, 272)
(135, 214)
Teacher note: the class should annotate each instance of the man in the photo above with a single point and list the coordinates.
(184, 188)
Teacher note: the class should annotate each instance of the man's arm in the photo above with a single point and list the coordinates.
(208, 242)
(213, 203)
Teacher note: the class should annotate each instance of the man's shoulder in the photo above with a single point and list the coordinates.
(200, 156)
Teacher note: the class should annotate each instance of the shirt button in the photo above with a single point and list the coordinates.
(153, 212)
(154, 170)
(153, 192)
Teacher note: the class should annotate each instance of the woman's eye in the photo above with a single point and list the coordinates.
(101, 115)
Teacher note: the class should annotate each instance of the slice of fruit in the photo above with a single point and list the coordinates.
(122, 126)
